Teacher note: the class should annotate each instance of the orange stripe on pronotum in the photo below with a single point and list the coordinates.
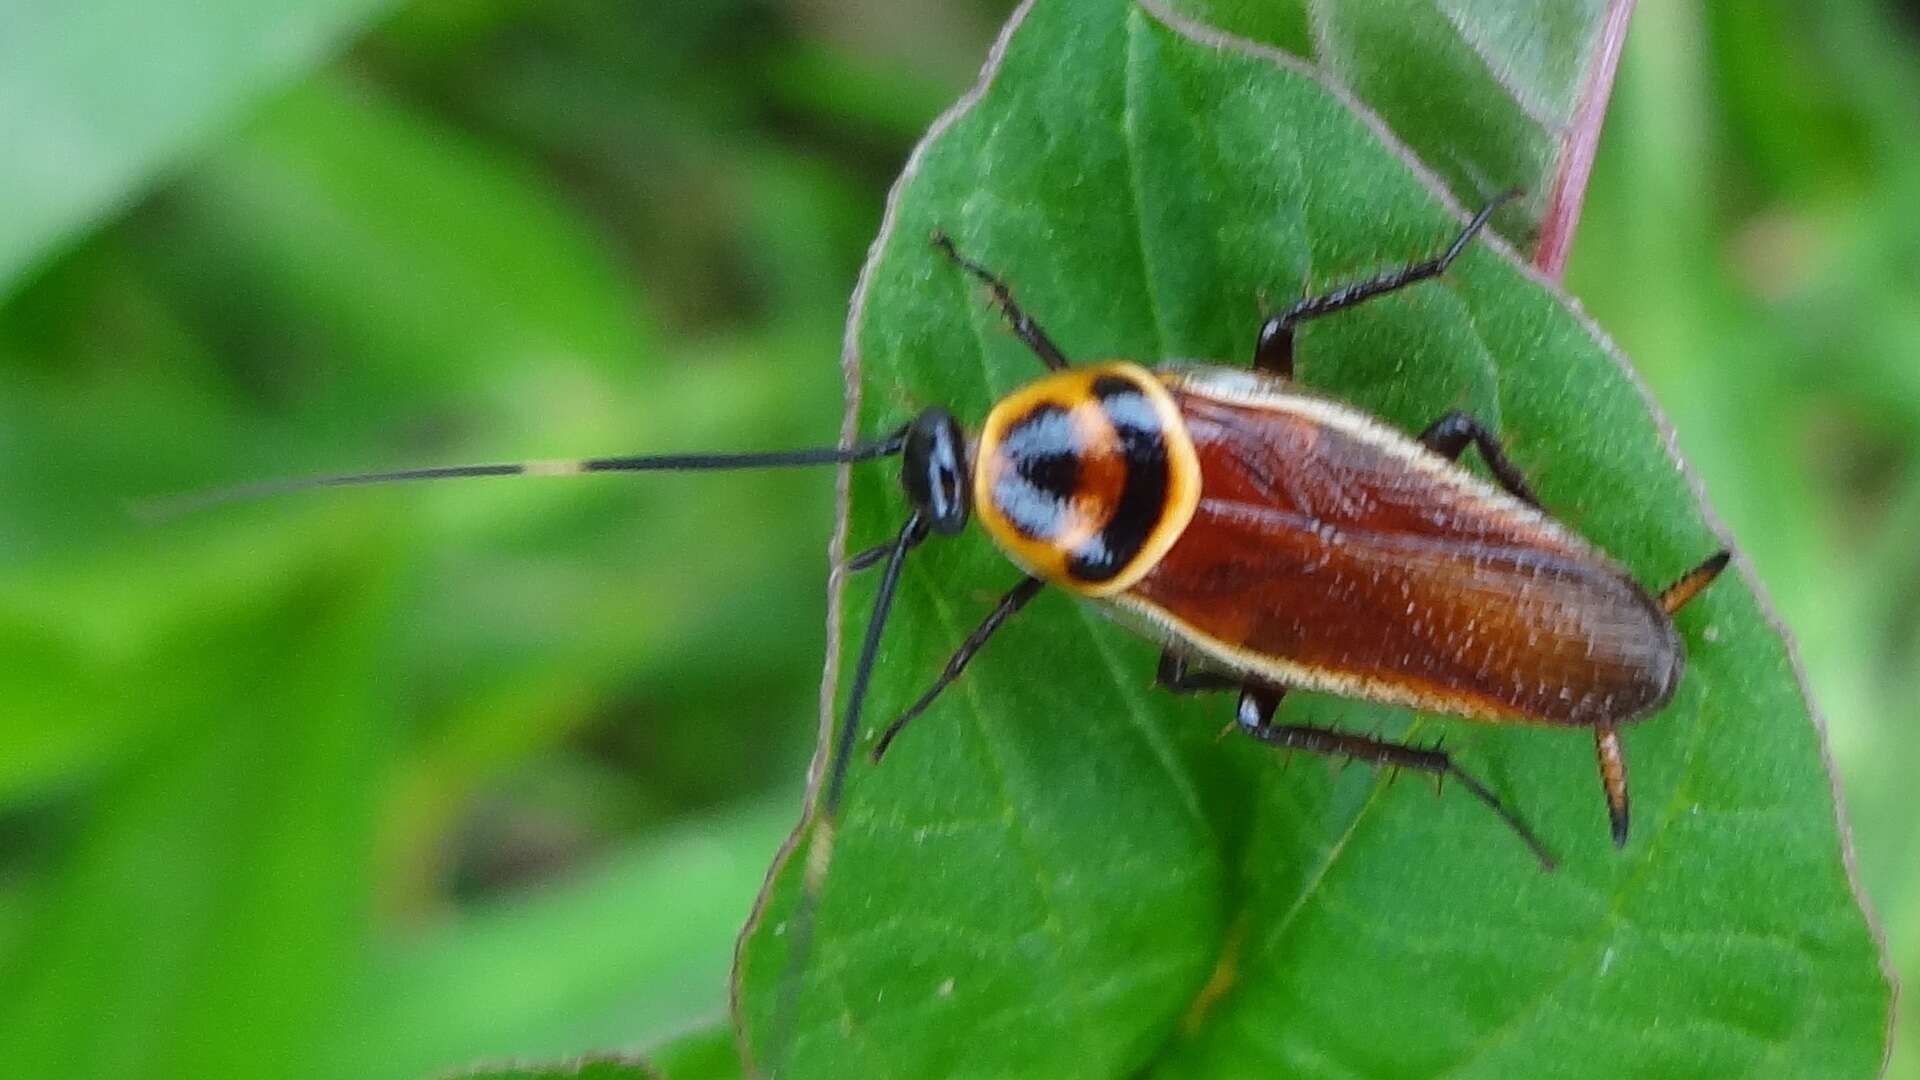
(1267, 537)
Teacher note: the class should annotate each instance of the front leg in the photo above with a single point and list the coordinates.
(1024, 327)
(1010, 604)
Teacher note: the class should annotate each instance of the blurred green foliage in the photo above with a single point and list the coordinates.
(380, 783)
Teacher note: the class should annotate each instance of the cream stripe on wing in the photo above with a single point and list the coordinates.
(1250, 389)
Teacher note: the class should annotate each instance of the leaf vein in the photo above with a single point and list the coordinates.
(1130, 131)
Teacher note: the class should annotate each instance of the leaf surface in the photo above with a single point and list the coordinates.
(1489, 93)
(705, 1053)
(1061, 872)
(584, 1069)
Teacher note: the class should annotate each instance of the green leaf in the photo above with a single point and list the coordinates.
(596, 1068)
(1061, 872)
(384, 262)
(424, 255)
(97, 98)
(1490, 94)
(215, 896)
(705, 1054)
(569, 966)
(708, 1054)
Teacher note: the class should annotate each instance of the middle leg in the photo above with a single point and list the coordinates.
(1449, 436)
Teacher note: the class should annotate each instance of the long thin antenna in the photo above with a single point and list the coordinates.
(827, 810)
(175, 505)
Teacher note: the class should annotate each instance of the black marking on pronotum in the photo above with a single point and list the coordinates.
(1035, 493)
(1143, 494)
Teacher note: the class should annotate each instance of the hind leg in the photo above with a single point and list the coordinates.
(1254, 716)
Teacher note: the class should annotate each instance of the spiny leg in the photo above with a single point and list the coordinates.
(1256, 719)
(1449, 436)
(1273, 349)
(1608, 753)
(1015, 599)
(1023, 325)
(1254, 715)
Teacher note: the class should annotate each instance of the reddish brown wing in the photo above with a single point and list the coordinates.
(1329, 552)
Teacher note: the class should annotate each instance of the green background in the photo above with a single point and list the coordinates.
(382, 783)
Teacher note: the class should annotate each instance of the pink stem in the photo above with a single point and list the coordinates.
(1569, 189)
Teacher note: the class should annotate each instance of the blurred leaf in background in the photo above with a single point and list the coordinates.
(100, 99)
(384, 783)
(379, 786)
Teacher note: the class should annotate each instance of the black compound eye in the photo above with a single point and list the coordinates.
(950, 485)
(934, 470)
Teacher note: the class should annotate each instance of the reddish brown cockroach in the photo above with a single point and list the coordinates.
(1269, 538)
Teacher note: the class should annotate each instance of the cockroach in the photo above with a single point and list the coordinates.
(1270, 538)
(1267, 537)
